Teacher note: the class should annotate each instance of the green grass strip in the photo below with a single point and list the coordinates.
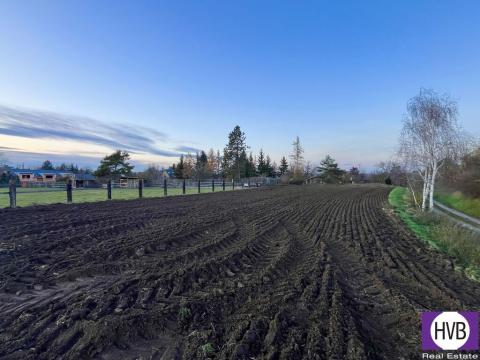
(399, 201)
(440, 233)
(29, 197)
(460, 202)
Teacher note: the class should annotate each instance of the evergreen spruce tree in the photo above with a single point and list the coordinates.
(268, 167)
(211, 161)
(201, 165)
(283, 166)
(243, 164)
(251, 167)
(47, 165)
(261, 168)
(329, 171)
(235, 155)
(178, 170)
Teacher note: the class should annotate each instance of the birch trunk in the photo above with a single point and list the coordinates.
(413, 193)
(427, 193)
(425, 189)
(432, 185)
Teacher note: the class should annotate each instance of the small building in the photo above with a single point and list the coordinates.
(84, 180)
(130, 182)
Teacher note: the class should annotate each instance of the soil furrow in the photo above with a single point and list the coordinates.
(294, 272)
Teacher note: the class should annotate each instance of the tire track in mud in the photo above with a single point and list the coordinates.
(310, 272)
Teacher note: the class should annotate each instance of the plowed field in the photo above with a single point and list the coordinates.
(307, 272)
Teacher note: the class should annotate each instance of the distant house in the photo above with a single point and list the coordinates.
(26, 176)
(168, 173)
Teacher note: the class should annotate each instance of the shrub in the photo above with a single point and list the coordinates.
(296, 181)
(458, 242)
(285, 179)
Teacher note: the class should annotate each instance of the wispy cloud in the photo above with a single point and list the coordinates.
(33, 159)
(187, 149)
(35, 124)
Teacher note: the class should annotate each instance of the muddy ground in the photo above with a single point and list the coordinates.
(312, 272)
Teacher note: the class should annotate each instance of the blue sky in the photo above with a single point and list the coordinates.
(181, 74)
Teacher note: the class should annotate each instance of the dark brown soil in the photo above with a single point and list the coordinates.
(300, 272)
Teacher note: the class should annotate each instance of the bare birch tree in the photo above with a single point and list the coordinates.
(430, 135)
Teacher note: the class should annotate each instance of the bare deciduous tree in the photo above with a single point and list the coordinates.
(188, 166)
(309, 169)
(430, 135)
(218, 164)
(297, 159)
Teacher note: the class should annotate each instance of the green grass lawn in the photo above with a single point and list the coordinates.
(460, 202)
(440, 233)
(38, 196)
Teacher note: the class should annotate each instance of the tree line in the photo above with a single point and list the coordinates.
(67, 167)
(235, 162)
(432, 145)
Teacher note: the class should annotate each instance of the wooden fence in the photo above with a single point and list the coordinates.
(167, 185)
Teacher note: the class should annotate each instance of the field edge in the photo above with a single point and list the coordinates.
(439, 233)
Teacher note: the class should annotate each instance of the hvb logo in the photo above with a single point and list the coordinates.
(450, 330)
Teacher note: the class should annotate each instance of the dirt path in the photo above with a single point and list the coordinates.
(310, 272)
(458, 217)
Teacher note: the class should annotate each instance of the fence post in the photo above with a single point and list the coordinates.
(199, 186)
(165, 187)
(69, 191)
(213, 185)
(109, 190)
(12, 193)
(183, 187)
(223, 184)
(233, 184)
(140, 188)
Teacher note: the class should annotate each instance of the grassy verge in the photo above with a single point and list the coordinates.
(91, 195)
(440, 233)
(460, 202)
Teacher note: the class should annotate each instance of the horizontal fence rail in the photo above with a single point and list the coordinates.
(13, 195)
